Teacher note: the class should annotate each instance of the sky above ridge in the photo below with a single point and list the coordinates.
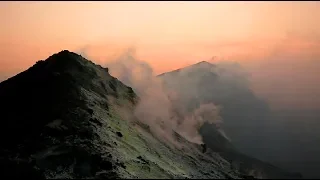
(278, 42)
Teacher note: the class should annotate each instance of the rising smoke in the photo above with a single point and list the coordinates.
(155, 107)
(275, 78)
(192, 123)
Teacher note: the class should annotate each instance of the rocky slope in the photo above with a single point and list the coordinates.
(243, 114)
(66, 117)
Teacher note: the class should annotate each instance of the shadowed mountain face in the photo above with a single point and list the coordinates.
(296, 145)
(66, 117)
(245, 116)
(49, 119)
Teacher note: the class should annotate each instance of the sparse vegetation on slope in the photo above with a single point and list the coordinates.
(66, 117)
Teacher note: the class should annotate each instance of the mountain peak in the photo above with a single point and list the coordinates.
(200, 65)
(64, 54)
(63, 62)
(204, 62)
(66, 117)
(52, 110)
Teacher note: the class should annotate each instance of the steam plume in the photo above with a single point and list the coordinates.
(155, 108)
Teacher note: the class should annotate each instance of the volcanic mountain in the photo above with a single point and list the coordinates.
(66, 117)
(225, 85)
(244, 115)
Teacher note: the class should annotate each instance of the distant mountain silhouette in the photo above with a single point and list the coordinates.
(244, 115)
(63, 118)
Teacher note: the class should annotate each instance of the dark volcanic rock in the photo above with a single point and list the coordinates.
(119, 134)
(204, 148)
(45, 117)
(62, 119)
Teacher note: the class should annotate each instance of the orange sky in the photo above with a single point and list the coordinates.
(169, 35)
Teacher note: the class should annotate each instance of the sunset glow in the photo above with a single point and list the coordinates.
(169, 35)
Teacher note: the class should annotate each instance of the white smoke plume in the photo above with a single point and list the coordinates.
(155, 107)
(192, 123)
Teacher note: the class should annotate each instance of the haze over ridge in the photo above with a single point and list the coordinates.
(272, 47)
(277, 43)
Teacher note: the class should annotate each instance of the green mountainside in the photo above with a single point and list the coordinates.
(66, 117)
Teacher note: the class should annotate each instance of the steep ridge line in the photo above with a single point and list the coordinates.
(64, 118)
